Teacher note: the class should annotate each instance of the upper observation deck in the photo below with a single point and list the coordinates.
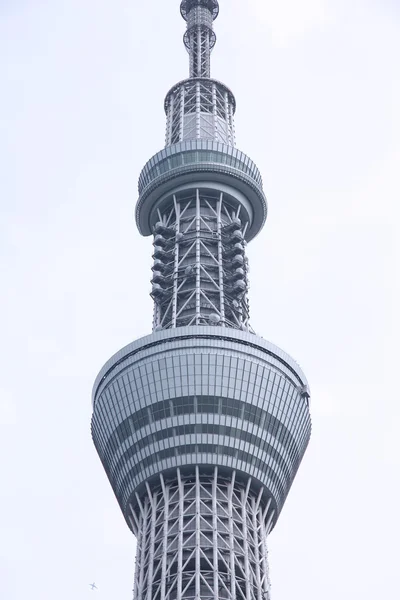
(203, 163)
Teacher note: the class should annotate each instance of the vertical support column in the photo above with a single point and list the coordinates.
(227, 119)
(267, 532)
(150, 560)
(156, 314)
(176, 263)
(182, 119)
(256, 537)
(268, 525)
(170, 115)
(231, 123)
(198, 110)
(180, 536)
(192, 57)
(231, 538)
(215, 533)
(198, 53)
(220, 264)
(165, 491)
(198, 258)
(197, 549)
(244, 494)
(155, 320)
(139, 571)
(145, 522)
(214, 97)
(207, 50)
(190, 49)
(263, 537)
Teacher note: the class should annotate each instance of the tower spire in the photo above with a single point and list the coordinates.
(199, 38)
(200, 108)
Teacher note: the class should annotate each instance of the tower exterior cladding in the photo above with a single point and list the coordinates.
(201, 425)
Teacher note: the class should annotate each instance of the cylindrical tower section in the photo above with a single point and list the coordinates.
(202, 536)
(200, 270)
(199, 38)
(200, 109)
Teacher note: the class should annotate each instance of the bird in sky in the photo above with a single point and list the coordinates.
(93, 586)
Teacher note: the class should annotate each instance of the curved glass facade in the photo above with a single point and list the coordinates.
(195, 151)
(201, 400)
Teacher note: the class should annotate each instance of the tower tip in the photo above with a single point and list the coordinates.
(188, 5)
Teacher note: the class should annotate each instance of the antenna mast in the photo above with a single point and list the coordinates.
(199, 38)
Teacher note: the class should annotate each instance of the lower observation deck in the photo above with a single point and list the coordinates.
(201, 396)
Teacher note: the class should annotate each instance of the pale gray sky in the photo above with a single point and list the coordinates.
(81, 110)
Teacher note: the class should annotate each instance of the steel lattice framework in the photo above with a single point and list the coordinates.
(200, 268)
(202, 425)
(202, 537)
(199, 38)
(200, 108)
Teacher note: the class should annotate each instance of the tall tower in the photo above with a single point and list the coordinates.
(202, 424)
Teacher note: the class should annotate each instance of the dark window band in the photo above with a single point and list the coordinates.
(201, 448)
(185, 405)
(201, 428)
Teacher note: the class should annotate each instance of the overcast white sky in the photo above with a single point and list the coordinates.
(317, 84)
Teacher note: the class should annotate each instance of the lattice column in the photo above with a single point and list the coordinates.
(200, 268)
(200, 108)
(199, 539)
(199, 38)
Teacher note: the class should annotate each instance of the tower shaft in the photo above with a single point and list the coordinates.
(200, 268)
(201, 426)
(201, 109)
(202, 536)
(199, 38)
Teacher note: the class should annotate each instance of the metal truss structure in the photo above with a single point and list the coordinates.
(200, 108)
(200, 268)
(202, 537)
(199, 38)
